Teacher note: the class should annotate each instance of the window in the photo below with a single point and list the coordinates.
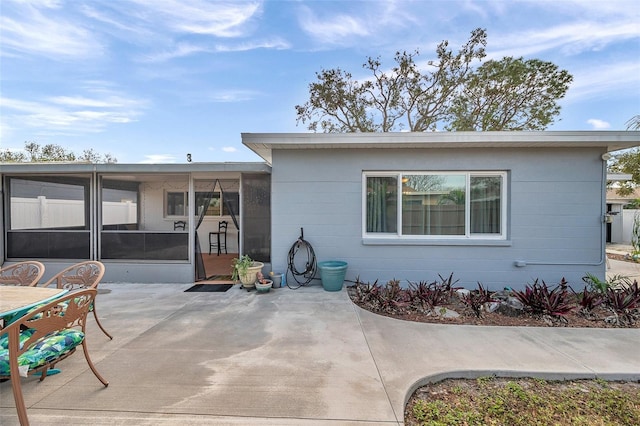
(214, 207)
(49, 202)
(48, 217)
(177, 203)
(435, 205)
(119, 205)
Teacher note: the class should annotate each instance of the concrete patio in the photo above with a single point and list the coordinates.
(289, 357)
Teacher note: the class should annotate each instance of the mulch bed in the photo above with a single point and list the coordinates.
(621, 257)
(599, 317)
(495, 319)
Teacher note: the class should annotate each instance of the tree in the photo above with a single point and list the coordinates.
(403, 98)
(628, 162)
(510, 94)
(35, 153)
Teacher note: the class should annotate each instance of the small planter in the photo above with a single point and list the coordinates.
(263, 287)
(277, 279)
(332, 274)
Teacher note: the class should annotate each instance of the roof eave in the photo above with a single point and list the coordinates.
(263, 143)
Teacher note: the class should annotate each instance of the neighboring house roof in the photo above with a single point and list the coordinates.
(614, 198)
(263, 143)
(619, 177)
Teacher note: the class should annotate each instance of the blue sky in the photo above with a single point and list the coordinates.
(149, 81)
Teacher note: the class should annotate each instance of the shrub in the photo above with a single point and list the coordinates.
(625, 303)
(595, 284)
(475, 300)
(390, 298)
(393, 298)
(539, 300)
(447, 284)
(588, 300)
(365, 292)
(426, 296)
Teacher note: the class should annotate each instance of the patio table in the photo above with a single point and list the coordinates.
(19, 299)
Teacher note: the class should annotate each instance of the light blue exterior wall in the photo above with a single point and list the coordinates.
(555, 214)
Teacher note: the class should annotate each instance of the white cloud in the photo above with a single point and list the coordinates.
(187, 49)
(158, 158)
(229, 149)
(179, 51)
(598, 124)
(570, 38)
(90, 112)
(223, 96)
(591, 82)
(199, 16)
(276, 43)
(333, 30)
(29, 31)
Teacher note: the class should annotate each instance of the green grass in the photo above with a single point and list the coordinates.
(492, 401)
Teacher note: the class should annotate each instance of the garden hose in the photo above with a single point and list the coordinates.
(300, 249)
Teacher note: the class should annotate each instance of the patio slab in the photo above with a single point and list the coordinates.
(302, 357)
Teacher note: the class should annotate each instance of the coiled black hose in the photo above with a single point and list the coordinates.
(301, 248)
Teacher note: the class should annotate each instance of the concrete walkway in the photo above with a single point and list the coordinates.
(289, 357)
(629, 270)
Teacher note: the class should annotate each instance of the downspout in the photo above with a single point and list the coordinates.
(603, 230)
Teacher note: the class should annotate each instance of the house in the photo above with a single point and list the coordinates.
(501, 208)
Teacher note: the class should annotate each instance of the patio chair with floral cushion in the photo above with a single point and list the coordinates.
(81, 275)
(43, 337)
(26, 273)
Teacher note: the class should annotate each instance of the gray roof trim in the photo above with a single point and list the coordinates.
(249, 167)
(263, 143)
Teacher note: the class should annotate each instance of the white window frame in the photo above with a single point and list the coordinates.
(185, 198)
(397, 236)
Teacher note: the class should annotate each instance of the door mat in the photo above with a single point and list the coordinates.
(209, 288)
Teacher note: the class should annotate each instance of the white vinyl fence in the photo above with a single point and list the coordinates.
(627, 224)
(34, 213)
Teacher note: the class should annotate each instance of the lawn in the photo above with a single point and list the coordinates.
(500, 401)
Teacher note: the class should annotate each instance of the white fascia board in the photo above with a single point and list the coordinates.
(263, 143)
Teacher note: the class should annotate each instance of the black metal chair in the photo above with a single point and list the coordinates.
(219, 239)
(179, 224)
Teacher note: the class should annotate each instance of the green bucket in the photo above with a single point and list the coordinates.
(332, 273)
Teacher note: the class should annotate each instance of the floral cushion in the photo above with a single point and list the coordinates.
(45, 350)
(64, 305)
(24, 336)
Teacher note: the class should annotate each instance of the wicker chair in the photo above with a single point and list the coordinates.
(81, 275)
(45, 336)
(26, 273)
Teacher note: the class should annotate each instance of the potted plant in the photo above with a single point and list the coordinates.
(263, 285)
(246, 269)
